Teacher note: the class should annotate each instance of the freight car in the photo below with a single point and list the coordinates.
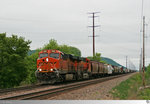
(56, 66)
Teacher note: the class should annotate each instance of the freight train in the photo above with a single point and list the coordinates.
(56, 66)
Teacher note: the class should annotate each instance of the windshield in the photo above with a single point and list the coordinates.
(43, 55)
(54, 55)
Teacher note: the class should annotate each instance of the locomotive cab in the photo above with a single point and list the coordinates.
(48, 60)
(48, 65)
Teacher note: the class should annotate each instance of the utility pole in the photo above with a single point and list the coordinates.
(140, 66)
(144, 51)
(93, 16)
(126, 61)
(129, 65)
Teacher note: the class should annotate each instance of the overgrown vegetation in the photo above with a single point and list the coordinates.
(130, 89)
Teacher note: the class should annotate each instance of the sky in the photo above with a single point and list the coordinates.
(67, 21)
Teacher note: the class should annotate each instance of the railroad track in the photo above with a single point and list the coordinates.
(30, 87)
(19, 88)
(45, 94)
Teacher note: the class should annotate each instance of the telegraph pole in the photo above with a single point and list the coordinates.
(93, 36)
(126, 61)
(93, 16)
(140, 66)
(144, 51)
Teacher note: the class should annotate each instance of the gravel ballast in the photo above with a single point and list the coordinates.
(93, 92)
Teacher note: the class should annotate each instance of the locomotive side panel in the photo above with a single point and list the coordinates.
(80, 66)
(71, 67)
(63, 66)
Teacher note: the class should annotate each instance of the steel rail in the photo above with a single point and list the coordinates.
(4, 91)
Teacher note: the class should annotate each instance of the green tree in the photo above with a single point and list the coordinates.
(70, 50)
(97, 57)
(63, 48)
(51, 45)
(13, 51)
(2, 49)
(75, 51)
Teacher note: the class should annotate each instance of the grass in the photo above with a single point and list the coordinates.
(122, 91)
(144, 95)
(129, 89)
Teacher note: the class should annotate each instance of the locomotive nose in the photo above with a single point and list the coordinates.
(47, 64)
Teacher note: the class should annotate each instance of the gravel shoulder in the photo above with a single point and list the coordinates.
(93, 92)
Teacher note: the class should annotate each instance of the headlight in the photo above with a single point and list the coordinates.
(51, 69)
(47, 59)
(40, 69)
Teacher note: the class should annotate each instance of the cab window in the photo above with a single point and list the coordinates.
(43, 55)
(54, 55)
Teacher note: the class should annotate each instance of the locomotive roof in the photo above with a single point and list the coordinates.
(51, 50)
(70, 56)
(75, 57)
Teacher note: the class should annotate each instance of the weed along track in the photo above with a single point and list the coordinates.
(52, 92)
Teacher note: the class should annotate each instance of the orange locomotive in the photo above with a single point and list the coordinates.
(54, 66)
